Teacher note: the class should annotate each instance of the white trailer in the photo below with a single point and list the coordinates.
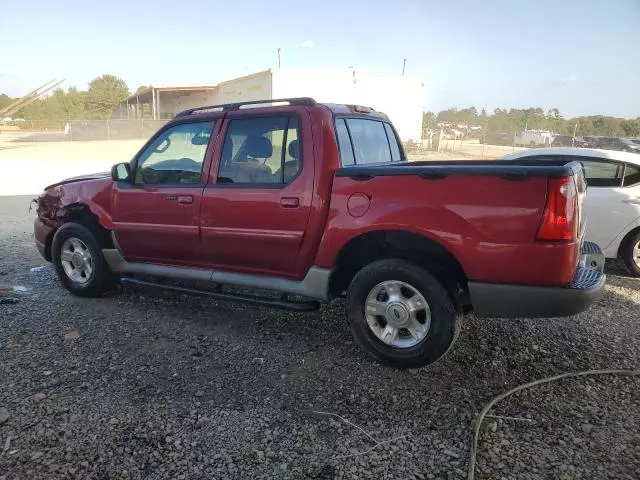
(532, 138)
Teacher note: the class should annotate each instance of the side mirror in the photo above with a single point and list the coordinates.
(121, 172)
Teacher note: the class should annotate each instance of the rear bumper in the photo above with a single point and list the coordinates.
(524, 301)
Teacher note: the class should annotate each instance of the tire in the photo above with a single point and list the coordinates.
(95, 277)
(402, 352)
(630, 253)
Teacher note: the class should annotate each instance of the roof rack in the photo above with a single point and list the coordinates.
(305, 101)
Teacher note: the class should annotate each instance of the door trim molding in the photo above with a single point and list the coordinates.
(314, 285)
(160, 228)
(232, 232)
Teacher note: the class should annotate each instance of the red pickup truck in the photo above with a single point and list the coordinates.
(310, 202)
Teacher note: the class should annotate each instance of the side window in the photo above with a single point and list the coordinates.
(631, 175)
(363, 141)
(602, 174)
(175, 157)
(393, 143)
(344, 143)
(264, 150)
(370, 142)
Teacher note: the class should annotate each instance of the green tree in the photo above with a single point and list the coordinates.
(104, 94)
(74, 104)
(631, 128)
(428, 119)
(142, 88)
(5, 100)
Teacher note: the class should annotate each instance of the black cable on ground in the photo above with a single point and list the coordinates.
(502, 396)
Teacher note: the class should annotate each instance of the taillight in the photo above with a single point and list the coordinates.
(561, 216)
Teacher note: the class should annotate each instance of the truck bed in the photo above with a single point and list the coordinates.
(485, 213)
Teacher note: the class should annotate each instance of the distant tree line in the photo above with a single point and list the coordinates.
(515, 120)
(106, 92)
(98, 102)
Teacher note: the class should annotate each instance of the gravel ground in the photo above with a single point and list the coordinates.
(155, 386)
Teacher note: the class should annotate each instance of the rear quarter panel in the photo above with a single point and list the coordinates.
(488, 223)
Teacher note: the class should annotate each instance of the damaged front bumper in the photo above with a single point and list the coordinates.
(43, 234)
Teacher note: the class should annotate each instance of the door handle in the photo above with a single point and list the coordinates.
(185, 199)
(289, 202)
(634, 201)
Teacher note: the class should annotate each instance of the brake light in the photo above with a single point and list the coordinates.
(561, 216)
(362, 109)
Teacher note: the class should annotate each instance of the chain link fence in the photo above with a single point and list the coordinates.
(452, 145)
(80, 130)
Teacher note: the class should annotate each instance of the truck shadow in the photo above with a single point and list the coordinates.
(617, 268)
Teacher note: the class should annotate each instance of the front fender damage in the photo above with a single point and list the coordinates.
(58, 204)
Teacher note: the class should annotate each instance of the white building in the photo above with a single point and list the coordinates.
(400, 97)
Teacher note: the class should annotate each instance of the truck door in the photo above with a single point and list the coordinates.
(257, 205)
(156, 217)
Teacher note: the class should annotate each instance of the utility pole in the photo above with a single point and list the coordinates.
(404, 64)
(575, 129)
(278, 57)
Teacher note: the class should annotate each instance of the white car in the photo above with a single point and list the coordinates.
(612, 204)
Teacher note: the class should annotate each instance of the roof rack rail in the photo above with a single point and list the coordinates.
(305, 101)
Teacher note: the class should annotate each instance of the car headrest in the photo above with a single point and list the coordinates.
(259, 147)
(294, 149)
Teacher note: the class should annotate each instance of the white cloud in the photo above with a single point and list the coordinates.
(307, 44)
(565, 80)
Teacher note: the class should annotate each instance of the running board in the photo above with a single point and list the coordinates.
(315, 284)
(282, 304)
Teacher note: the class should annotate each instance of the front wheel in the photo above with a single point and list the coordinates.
(400, 314)
(79, 263)
(630, 254)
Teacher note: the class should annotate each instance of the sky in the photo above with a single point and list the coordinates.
(581, 56)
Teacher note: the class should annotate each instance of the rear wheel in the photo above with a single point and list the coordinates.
(630, 253)
(400, 314)
(79, 263)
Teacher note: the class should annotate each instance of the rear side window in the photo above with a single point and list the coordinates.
(344, 143)
(603, 174)
(393, 143)
(363, 141)
(631, 175)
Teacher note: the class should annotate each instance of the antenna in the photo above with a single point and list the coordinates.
(278, 57)
(404, 64)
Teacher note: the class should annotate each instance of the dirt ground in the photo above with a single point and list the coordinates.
(475, 150)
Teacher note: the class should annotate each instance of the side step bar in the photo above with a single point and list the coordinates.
(314, 285)
(282, 304)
